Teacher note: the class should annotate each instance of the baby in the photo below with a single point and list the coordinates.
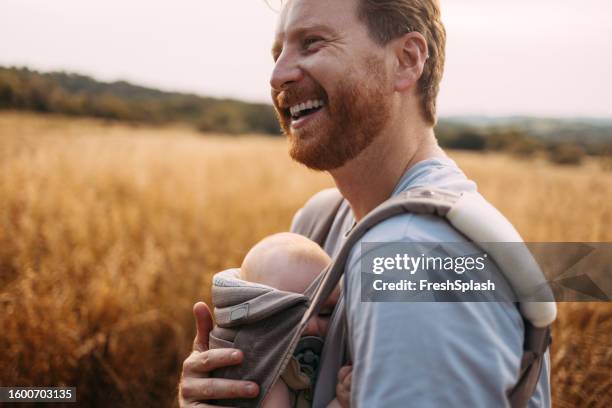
(290, 262)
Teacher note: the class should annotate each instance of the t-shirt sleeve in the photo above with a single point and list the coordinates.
(431, 354)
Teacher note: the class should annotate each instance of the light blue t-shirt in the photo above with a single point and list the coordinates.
(428, 354)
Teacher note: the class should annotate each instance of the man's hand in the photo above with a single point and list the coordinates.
(343, 388)
(195, 387)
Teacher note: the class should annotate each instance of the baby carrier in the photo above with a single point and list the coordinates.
(266, 323)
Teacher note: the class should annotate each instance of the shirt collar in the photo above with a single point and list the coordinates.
(415, 174)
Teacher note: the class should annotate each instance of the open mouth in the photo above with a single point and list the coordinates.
(304, 109)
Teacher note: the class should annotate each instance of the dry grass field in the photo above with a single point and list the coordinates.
(109, 233)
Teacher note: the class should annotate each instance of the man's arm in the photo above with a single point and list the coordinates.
(430, 354)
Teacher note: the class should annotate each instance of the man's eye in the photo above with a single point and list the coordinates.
(308, 42)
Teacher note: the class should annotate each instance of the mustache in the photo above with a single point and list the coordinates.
(294, 94)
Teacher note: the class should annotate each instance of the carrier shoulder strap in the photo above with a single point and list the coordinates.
(315, 219)
(537, 340)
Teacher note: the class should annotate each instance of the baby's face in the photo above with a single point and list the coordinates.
(298, 282)
(318, 325)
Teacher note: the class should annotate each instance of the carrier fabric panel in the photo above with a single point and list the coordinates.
(262, 357)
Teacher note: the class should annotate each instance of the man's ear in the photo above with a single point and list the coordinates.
(411, 53)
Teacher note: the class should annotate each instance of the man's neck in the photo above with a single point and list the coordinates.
(370, 178)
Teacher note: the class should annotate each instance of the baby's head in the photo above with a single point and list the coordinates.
(284, 261)
(289, 262)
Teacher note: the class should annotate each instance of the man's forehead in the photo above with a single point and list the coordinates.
(299, 15)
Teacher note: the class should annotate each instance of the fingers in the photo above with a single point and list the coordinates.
(188, 403)
(204, 325)
(202, 405)
(343, 387)
(347, 381)
(206, 361)
(343, 395)
(195, 388)
(344, 372)
(202, 389)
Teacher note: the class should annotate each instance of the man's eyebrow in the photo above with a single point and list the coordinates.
(313, 27)
(277, 47)
(305, 29)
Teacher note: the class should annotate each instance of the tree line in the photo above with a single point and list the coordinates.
(79, 95)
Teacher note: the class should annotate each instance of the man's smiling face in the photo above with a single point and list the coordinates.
(330, 85)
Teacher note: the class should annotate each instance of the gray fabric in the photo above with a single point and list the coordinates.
(426, 354)
(265, 320)
(537, 341)
(262, 362)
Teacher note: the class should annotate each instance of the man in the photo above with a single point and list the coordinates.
(355, 86)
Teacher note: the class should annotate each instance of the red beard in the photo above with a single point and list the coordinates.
(348, 123)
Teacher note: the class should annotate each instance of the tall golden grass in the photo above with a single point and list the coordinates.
(109, 233)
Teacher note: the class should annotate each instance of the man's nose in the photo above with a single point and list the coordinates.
(286, 71)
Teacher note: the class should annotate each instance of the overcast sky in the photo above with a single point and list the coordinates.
(534, 57)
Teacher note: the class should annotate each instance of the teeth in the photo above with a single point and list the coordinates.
(310, 104)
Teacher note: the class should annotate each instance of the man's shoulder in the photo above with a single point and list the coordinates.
(325, 195)
(437, 174)
(415, 227)
(408, 228)
(321, 204)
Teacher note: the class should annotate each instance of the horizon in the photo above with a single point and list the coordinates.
(503, 60)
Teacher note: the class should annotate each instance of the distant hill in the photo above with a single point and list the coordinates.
(569, 130)
(79, 95)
